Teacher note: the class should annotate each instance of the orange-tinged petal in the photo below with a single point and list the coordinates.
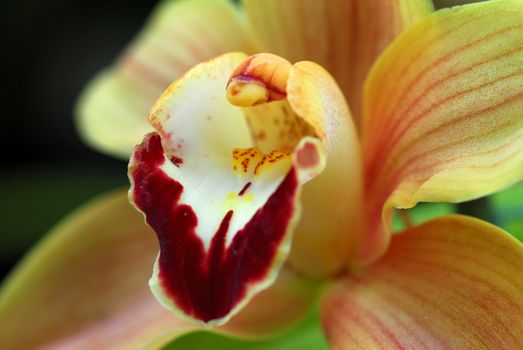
(85, 287)
(444, 112)
(344, 36)
(452, 283)
(112, 112)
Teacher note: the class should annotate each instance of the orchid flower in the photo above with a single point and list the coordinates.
(269, 196)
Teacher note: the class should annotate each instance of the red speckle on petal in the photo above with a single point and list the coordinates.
(244, 189)
(176, 160)
(206, 285)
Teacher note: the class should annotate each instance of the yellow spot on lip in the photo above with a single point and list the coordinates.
(234, 200)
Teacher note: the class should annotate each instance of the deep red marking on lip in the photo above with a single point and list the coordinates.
(244, 189)
(206, 285)
(176, 160)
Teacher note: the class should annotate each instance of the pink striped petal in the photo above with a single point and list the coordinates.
(452, 283)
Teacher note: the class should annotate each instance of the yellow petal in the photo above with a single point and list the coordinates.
(112, 110)
(444, 112)
(85, 286)
(452, 283)
(344, 36)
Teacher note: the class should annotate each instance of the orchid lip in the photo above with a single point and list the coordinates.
(206, 282)
(223, 209)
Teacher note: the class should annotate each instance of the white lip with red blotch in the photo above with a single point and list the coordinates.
(223, 210)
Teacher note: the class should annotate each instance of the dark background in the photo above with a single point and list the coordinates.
(50, 49)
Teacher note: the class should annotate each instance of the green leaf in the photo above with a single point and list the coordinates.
(508, 207)
(515, 227)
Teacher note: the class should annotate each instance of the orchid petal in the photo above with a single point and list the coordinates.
(112, 111)
(85, 286)
(443, 113)
(344, 36)
(452, 283)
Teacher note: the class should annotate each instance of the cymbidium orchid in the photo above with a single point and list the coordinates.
(270, 196)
